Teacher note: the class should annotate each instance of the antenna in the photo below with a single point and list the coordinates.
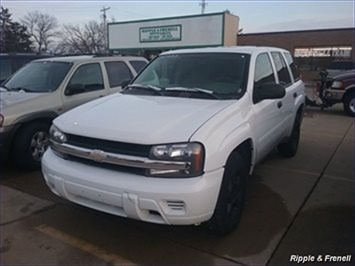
(203, 5)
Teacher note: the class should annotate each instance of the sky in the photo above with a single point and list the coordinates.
(255, 16)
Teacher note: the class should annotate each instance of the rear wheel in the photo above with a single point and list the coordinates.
(30, 144)
(231, 197)
(348, 103)
(289, 148)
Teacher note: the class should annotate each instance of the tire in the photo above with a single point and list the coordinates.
(289, 148)
(30, 144)
(230, 203)
(348, 103)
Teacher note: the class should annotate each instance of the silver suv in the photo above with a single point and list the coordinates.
(46, 88)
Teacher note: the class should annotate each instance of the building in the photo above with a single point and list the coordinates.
(152, 36)
(312, 49)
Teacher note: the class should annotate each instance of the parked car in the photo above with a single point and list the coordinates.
(178, 144)
(337, 67)
(45, 88)
(11, 62)
(340, 89)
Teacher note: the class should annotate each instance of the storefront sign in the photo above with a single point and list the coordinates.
(323, 52)
(160, 34)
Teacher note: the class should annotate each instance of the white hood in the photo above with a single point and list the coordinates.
(140, 119)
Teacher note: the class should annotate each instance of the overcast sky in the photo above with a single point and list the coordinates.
(255, 16)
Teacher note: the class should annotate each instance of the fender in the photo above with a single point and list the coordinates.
(350, 87)
(224, 133)
(37, 115)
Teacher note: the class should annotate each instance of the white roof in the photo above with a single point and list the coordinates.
(221, 49)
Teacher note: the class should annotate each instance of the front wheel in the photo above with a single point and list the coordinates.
(30, 144)
(349, 104)
(231, 197)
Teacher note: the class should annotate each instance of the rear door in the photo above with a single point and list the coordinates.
(268, 121)
(284, 79)
(85, 84)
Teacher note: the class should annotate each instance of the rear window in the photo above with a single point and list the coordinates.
(138, 64)
(281, 68)
(294, 69)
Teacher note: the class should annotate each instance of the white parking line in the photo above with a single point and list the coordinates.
(96, 251)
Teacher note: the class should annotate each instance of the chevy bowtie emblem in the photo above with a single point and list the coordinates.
(98, 155)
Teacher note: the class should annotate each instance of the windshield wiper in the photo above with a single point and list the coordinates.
(145, 87)
(194, 90)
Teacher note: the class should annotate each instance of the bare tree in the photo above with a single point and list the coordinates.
(42, 28)
(88, 39)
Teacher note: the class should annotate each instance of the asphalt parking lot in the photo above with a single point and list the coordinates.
(300, 206)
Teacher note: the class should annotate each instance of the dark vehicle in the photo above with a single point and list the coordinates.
(338, 67)
(337, 89)
(12, 62)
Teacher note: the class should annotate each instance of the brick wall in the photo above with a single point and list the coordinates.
(299, 39)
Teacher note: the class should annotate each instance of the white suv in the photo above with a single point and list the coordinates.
(178, 144)
(46, 88)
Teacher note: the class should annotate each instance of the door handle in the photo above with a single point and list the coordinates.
(279, 104)
(101, 96)
(295, 95)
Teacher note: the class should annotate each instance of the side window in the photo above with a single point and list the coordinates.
(86, 78)
(117, 72)
(263, 70)
(281, 68)
(138, 64)
(294, 69)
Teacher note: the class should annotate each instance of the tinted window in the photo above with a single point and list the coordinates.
(263, 71)
(86, 78)
(281, 69)
(224, 74)
(39, 76)
(294, 69)
(117, 72)
(138, 65)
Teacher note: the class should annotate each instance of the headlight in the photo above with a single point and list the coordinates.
(337, 85)
(191, 153)
(1, 120)
(57, 136)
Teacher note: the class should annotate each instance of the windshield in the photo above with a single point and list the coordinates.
(223, 74)
(42, 76)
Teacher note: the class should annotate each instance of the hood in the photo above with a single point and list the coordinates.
(345, 75)
(8, 98)
(140, 119)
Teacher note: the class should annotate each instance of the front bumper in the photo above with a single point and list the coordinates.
(158, 200)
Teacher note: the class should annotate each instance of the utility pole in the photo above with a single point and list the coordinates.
(203, 5)
(103, 10)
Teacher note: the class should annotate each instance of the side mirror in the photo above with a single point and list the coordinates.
(125, 83)
(74, 89)
(268, 91)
